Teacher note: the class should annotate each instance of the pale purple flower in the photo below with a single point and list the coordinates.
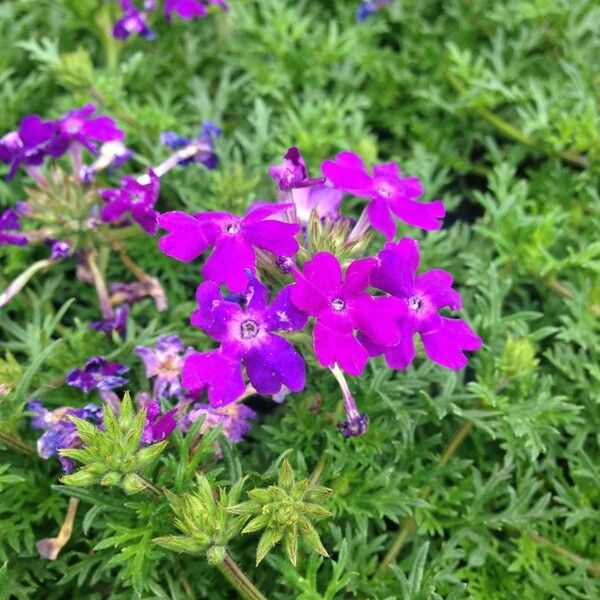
(199, 150)
(59, 249)
(444, 339)
(248, 337)
(388, 191)
(158, 426)
(233, 418)
(59, 431)
(164, 362)
(10, 222)
(233, 238)
(98, 373)
(135, 196)
(136, 291)
(341, 307)
(369, 7)
(132, 21)
(117, 323)
(29, 145)
(111, 155)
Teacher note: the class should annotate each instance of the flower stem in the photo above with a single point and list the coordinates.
(16, 443)
(152, 490)
(237, 578)
(19, 283)
(565, 292)
(361, 226)
(100, 284)
(50, 547)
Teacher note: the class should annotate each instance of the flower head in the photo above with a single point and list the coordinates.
(248, 337)
(116, 323)
(388, 191)
(10, 221)
(136, 196)
(190, 9)
(422, 297)
(342, 306)
(199, 150)
(164, 362)
(233, 238)
(132, 21)
(59, 431)
(59, 249)
(233, 418)
(98, 373)
(158, 426)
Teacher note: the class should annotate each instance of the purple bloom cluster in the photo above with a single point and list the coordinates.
(358, 308)
(59, 431)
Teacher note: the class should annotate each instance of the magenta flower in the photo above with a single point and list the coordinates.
(388, 191)
(9, 222)
(233, 238)
(233, 418)
(59, 431)
(97, 373)
(248, 337)
(158, 426)
(135, 196)
(186, 9)
(164, 362)
(132, 21)
(341, 307)
(292, 172)
(29, 145)
(422, 296)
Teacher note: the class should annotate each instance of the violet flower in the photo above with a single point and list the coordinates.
(422, 296)
(233, 238)
(164, 362)
(190, 9)
(342, 306)
(248, 337)
(198, 150)
(29, 145)
(117, 323)
(111, 155)
(136, 291)
(388, 191)
(59, 431)
(10, 221)
(59, 249)
(233, 418)
(132, 21)
(292, 172)
(158, 426)
(369, 7)
(136, 196)
(97, 373)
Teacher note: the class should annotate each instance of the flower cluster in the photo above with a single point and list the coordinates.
(357, 307)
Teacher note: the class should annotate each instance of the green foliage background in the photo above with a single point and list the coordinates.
(495, 105)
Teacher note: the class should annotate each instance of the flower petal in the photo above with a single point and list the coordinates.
(378, 318)
(186, 239)
(426, 215)
(283, 315)
(445, 345)
(214, 313)
(229, 262)
(332, 347)
(437, 284)
(357, 276)
(381, 218)
(274, 236)
(347, 172)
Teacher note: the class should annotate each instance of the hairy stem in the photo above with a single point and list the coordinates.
(19, 283)
(50, 547)
(16, 443)
(100, 285)
(237, 578)
(565, 292)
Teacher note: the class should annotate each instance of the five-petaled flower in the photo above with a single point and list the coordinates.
(248, 337)
(132, 21)
(422, 297)
(388, 191)
(342, 306)
(233, 238)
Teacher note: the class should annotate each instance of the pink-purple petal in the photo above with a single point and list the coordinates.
(275, 236)
(230, 262)
(378, 318)
(381, 218)
(437, 285)
(426, 215)
(283, 315)
(358, 275)
(186, 239)
(213, 314)
(344, 349)
(445, 346)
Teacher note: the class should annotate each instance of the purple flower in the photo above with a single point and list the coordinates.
(158, 426)
(233, 418)
(369, 7)
(60, 432)
(247, 336)
(111, 155)
(164, 362)
(59, 249)
(388, 191)
(132, 21)
(136, 196)
(292, 172)
(190, 9)
(234, 239)
(9, 221)
(29, 145)
(341, 307)
(118, 322)
(198, 150)
(78, 126)
(98, 373)
(422, 296)
(130, 293)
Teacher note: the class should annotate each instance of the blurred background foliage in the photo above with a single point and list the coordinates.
(484, 484)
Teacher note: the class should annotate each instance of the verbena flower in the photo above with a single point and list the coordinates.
(135, 196)
(59, 431)
(29, 145)
(248, 337)
(117, 323)
(233, 238)
(10, 222)
(369, 7)
(164, 362)
(132, 21)
(388, 191)
(292, 172)
(234, 419)
(341, 306)
(422, 297)
(201, 149)
(111, 155)
(190, 9)
(158, 426)
(59, 249)
(98, 373)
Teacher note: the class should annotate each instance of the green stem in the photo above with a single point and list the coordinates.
(236, 577)
(100, 284)
(513, 133)
(16, 443)
(19, 283)
(153, 490)
(318, 470)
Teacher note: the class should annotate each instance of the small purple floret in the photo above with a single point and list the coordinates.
(201, 149)
(133, 21)
(233, 418)
(9, 222)
(98, 373)
(117, 323)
